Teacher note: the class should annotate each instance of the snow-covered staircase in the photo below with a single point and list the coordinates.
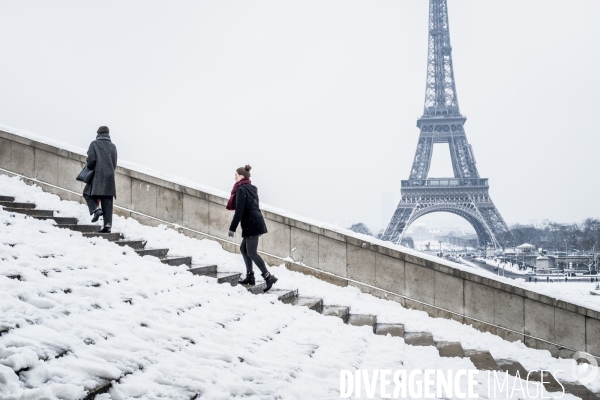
(481, 359)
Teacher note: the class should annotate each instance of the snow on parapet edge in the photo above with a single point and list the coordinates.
(284, 213)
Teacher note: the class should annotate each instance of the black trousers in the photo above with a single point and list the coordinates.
(106, 203)
(249, 251)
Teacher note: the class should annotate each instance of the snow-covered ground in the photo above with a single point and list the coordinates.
(514, 268)
(184, 334)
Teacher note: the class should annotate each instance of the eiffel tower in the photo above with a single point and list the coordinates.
(466, 194)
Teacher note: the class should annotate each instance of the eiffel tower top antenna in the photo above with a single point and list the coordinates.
(441, 99)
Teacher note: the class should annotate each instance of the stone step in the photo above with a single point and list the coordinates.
(342, 312)
(224, 277)
(512, 367)
(483, 360)
(134, 244)
(283, 294)
(392, 329)
(256, 289)
(418, 338)
(450, 349)
(176, 260)
(7, 198)
(160, 253)
(12, 204)
(553, 386)
(102, 388)
(203, 269)
(362, 320)
(111, 237)
(83, 228)
(60, 220)
(313, 303)
(29, 211)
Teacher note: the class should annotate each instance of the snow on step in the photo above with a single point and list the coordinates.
(83, 228)
(152, 252)
(134, 244)
(176, 260)
(168, 307)
(283, 294)
(342, 312)
(312, 303)
(113, 236)
(12, 204)
(31, 212)
(60, 220)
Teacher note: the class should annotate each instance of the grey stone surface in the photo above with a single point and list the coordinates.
(363, 320)
(123, 185)
(361, 264)
(449, 292)
(512, 367)
(68, 169)
(479, 301)
(219, 220)
(483, 360)
(419, 338)
(509, 310)
(389, 273)
(169, 205)
(419, 283)
(332, 256)
(22, 159)
(143, 197)
(195, 213)
(5, 153)
(305, 247)
(450, 349)
(592, 332)
(539, 320)
(569, 329)
(277, 240)
(46, 167)
(396, 330)
(337, 311)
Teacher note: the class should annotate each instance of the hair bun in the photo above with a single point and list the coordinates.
(247, 168)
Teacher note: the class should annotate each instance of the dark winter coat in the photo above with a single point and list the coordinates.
(247, 212)
(102, 158)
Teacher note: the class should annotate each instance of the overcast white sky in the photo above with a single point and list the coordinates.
(321, 97)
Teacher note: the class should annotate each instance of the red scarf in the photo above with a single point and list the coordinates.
(231, 202)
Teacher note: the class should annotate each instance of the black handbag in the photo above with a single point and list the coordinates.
(85, 175)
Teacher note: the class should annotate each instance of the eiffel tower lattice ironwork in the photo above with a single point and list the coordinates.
(466, 194)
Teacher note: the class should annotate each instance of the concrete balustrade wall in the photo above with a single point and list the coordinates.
(440, 290)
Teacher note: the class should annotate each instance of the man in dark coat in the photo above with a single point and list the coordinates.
(99, 193)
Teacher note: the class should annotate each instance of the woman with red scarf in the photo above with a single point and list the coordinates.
(244, 200)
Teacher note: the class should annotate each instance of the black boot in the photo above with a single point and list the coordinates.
(248, 280)
(106, 229)
(97, 214)
(270, 280)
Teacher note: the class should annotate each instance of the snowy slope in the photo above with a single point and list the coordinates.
(184, 334)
